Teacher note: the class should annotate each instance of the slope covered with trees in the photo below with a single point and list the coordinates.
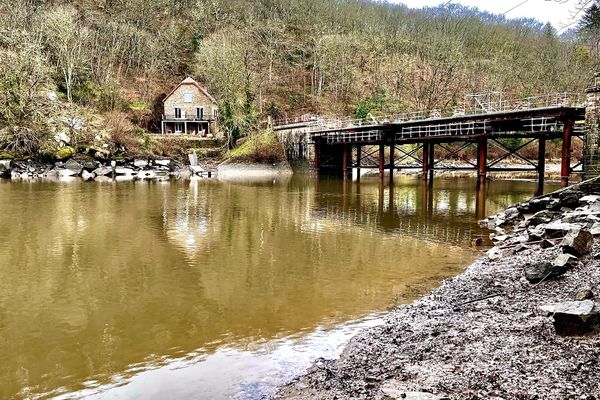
(99, 68)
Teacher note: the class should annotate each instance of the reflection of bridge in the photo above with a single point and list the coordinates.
(425, 140)
(413, 208)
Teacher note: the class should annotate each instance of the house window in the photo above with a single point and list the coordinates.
(178, 127)
(187, 97)
(177, 112)
(215, 112)
(200, 112)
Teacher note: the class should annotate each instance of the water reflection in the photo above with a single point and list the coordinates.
(99, 282)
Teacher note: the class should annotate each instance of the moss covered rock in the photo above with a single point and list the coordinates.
(64, 153)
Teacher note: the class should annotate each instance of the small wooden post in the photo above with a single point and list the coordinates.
(482, 159)
(565, 165)
(185, 127)
(381, 159)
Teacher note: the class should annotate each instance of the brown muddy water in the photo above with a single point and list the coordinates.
(213, 290)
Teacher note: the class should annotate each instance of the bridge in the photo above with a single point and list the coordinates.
(426, 140)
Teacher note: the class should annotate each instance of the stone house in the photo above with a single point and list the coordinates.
(189, 110)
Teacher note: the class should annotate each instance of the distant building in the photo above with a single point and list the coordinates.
(189, 110)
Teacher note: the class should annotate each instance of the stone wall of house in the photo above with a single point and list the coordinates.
(591, 164)
(199, 99)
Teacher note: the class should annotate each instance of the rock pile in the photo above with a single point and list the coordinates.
(88, 168)
(567, 220)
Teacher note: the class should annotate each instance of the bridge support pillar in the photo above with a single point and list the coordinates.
(425, 161)
(431, 159)
(316, 160)
(346, 160)
(482, 150)
(358, 160)
(392, 162)
(565, 164)
(541, 164)
(381, 159)
(480, 201)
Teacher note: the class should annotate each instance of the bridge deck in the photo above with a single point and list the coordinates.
(547, 120)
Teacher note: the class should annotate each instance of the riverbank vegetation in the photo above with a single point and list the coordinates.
(261, 148)
(69, 67)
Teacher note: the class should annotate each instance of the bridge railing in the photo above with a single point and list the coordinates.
(322, 123)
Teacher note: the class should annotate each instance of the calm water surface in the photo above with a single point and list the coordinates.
(213, 290)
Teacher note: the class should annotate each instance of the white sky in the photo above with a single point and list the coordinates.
(551, 11)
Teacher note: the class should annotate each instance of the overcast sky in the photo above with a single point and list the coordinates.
(551, 11)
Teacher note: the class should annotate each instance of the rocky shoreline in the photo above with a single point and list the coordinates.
(89, 169)
(523, 322)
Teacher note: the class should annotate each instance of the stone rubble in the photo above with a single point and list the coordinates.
(89, 169)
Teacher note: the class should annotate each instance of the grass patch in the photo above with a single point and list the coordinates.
(261, 148)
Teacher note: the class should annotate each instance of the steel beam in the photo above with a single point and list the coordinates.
(431, 162)
(392, 163)
(482, 159)
(381, 159)
(345, 160)
(565, 164)
(425, 170)
(541, 162)
(358, 160)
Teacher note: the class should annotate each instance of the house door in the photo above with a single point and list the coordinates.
(177, 112)
(200, 113)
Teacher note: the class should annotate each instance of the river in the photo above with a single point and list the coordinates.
(214, 290)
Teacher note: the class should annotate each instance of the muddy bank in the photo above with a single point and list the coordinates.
(520, 323)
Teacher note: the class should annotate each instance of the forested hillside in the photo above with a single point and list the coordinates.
(101, 67)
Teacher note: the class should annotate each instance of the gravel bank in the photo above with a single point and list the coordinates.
(482, 335)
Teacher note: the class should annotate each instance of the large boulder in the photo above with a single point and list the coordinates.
(124, 171)
(74, 166)
(558, 229)
(5, 166)
(103, 171)
(541, 217)
(64, 153)
(537, 272)
(577, 242)
(140, 162)
(87, 176)
(570, 198)
(512, 214)
(565, 261)
(166, 162)
(574, 317)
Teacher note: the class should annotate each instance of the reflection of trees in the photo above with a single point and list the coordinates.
(94, 278)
